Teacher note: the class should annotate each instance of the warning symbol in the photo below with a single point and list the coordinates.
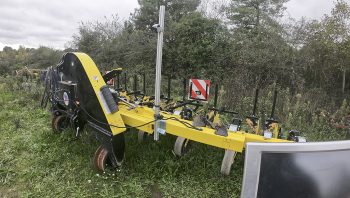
(199, 89)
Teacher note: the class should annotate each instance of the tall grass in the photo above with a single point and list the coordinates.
(37, 163)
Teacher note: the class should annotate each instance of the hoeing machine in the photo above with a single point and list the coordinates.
(80, 96)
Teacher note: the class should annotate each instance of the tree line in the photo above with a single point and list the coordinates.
(243, 44)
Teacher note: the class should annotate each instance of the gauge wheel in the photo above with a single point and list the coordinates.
(101, 160)
(227, 162)
(182, 146)
(59, 123)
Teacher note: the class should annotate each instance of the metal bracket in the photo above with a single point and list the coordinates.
(221, 130)
(198, 121)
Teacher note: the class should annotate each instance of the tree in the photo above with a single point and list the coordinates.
(199, 47)
(253, 14)
(41, 58)
(259, 40)
(147, 15)
(325, 49)
(134, 47)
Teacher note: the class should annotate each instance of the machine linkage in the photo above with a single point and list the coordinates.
(80, 96)
(212, 120)
(85, 99)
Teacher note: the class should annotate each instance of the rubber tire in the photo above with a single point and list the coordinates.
(181, 146)
(227, 162)
(100, 158)
(56, 123)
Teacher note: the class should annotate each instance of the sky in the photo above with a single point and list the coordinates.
(33, 23)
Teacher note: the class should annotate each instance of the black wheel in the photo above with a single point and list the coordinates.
(102, 160)
(59, 123)
(182, 146)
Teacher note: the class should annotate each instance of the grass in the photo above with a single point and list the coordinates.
(37, 163)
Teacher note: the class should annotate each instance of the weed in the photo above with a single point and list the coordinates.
(35, 162)
(17, 123)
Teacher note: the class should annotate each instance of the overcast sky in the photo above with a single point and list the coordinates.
(52, 23)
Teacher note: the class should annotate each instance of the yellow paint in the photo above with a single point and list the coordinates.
(141, 115)
(125, 95)
(275, 129)
(212, 115)
(97, 82)
(217, 119)
(234, 141)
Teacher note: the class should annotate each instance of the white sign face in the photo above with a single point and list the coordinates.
(233, 127)
(267, 134)
(199, 89)
(65, 98)
(177, 112)
(301, 139)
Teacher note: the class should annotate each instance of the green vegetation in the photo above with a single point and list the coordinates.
(41, 58)
(241, 46)
(35, 162)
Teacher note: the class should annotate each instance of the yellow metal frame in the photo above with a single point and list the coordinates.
(234, 141)
(141, 115)
(97, 82)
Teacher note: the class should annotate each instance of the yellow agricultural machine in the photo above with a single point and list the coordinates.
(80, 96)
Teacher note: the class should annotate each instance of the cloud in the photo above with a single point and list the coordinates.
(52, 23)
(311, 9)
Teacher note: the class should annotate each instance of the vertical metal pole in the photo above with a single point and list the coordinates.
(135, 83)
(125, 82)
(255, 101)
(273, 105)
(169, 87)
(118, 81)
(184, 90)
(216, 95)
(144, 84)
(190, 95)
(160, 30)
